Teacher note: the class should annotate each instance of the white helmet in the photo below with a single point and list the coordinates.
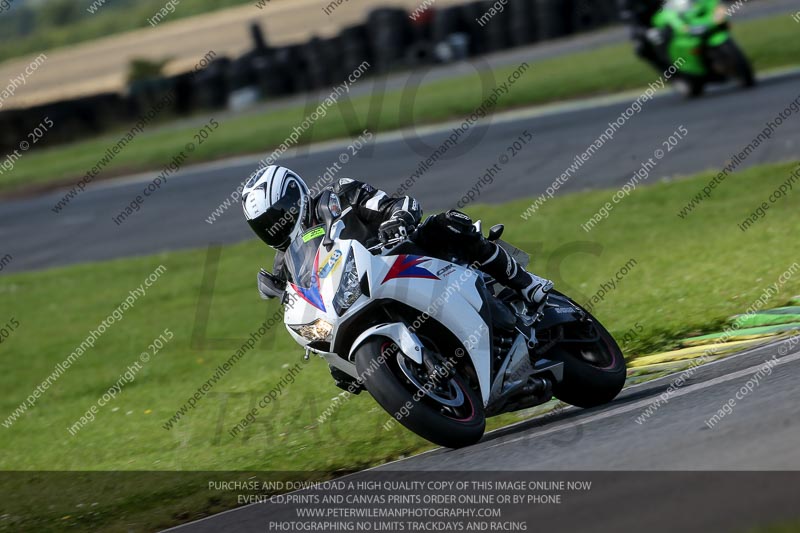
(276, 202)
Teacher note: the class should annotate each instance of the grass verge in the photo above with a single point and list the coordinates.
(783, 527)
(688, 278)
(769, 42)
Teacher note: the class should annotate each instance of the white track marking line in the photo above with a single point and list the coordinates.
(644, 403)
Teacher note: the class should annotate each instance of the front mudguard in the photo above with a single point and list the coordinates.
(559, 310)
(398, 332)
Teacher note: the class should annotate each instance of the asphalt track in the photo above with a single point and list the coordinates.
(719, 126)
(760, 434)
(670, 473)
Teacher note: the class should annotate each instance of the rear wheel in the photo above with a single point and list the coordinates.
(439, 406)
(696, 88)
(594, 367)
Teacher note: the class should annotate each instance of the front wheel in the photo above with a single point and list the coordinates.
(594, 367)
(737, 63)
(439, 407)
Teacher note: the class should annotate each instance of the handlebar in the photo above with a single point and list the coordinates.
(388, 244)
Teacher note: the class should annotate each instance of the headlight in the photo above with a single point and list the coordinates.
(720, 14)
(349, 288)
(319, 330)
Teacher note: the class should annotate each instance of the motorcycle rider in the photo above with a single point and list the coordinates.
(279, 206)
(650, 43)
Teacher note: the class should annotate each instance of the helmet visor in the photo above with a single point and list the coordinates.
(276, 224)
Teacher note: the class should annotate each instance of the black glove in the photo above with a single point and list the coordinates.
(398, 226)
(270, 286)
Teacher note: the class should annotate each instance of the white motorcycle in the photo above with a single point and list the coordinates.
(439, 345)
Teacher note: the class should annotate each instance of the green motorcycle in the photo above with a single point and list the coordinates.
(700, 45)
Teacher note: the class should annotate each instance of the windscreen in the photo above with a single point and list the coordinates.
(301, 254)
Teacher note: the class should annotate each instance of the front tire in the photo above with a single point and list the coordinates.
(738, 64)
(594, 368)
(742, 65)
(453, 427)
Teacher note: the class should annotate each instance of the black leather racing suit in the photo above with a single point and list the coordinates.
(445, 236)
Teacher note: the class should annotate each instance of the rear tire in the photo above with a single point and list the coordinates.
(731, 62)
(395, 393)
(696, 88)
(689, 87)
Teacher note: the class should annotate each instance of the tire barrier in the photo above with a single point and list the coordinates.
(471, 13)
(10, 130)
(390, 32)
(441, 29)
(210, 85)
(447, 21)
(420, 53)
(495, 27)
(87, 116)
(293, 60)
(241, 73)
(388, 40)
(272, 76)
(143, 94)
(553, 18)
(354, 47)
(588, 15)
(422, 26)
(522, 25)
(321, 62)
(184, 92)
